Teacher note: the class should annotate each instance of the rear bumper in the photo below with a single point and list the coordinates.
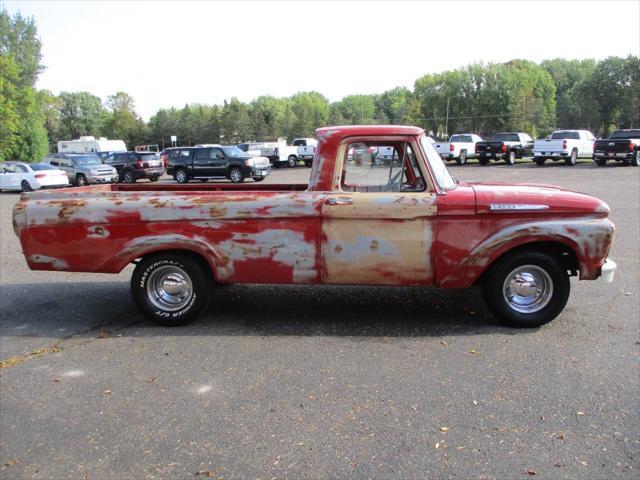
(608, 270)
(543, 154)
(614, 155)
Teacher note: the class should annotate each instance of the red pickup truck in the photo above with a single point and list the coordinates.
(358, 221)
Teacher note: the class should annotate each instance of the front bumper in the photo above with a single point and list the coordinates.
(102, 178)
(608, 270)
(259, 172)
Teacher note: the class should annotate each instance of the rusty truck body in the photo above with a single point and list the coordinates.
(401, 223)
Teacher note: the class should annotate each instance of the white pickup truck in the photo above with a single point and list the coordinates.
(281, 154)
(306, 149)
(460, 147)
(564, 144)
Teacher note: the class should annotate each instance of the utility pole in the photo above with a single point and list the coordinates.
(446, 123)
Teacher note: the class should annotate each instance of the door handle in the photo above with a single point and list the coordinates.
(339, 201)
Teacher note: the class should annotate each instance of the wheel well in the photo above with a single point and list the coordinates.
(190, 253)
(564, 255)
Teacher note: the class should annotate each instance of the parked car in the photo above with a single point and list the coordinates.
(305, 149)
(351, 224)
(31, 176)
(564, 144)
(132, 166)
(622, 145)
(279, 153)
(508, 146)
(89, 144)
(83, 168)
(147, 148)
(460, 147)
(204, 163)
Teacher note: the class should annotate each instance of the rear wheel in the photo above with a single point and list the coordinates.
(571, 160)
(153, 178)
(81, 180)
(128, 177)
(601, 162)
(171, 288)
(292, 161)
(635, 161)
(236, 175)
(181, 176)
(462, 159)
(25, 186)
(526, 289)
(511, 158)
(483, 161)
(308, 163)
(539, 161)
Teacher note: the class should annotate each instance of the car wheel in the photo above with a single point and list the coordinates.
(571, 161)
(539, 161)
(308, 163)
(635, 161)
(204, 180)
(181, 176)
(292, 161)
(25, 186)
(526, 289)
(128, 177)
(258, 179)
(601, 162)
(171, 288)
(511, 158)
(462, 159)
(153, 178)
(236, 175)
(483, 161)
(81, 180)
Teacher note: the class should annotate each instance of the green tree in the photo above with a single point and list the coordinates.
(19, 39)
(308, 111)
(81, 113)
(358, 109)
(235, 124)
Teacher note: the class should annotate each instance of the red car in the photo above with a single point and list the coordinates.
(406, 223)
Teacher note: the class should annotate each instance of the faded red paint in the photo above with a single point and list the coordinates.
(288, 233)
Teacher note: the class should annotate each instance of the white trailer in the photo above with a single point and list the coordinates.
(89, 144)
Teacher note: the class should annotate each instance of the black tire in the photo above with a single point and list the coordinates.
(483, 161)
(531, 264)
(308, 163)
(635, 161)
(153, 178)
(571, 160)
(204, 180)
(462, 159)
(601, 162)
(128, 177)
(158, 271)
(540, 161)
(258, 179)
(236, 175)
(292, 161)
(81, 180)
(181, 175)
(511, 158)
(25, 186)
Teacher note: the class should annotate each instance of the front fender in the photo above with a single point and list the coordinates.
(590, 239)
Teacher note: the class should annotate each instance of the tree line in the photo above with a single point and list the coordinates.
(484, 98)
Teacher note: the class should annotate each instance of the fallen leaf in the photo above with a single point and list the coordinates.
(205, 473)
(444, 429)
(56, 380)
(104, 334)
(152, 380)
(437, 445)
(312, 397)
(11, 462)
(531, 472)
(561, 436)
(107, 392)
(584, 463)
(582, 414)
(473, 351)
(443, 342)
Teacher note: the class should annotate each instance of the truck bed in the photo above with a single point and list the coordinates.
(189, 187)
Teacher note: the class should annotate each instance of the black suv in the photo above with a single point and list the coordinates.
(134, 165)
(203, 163)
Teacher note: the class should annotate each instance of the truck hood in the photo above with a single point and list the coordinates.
(534, 198)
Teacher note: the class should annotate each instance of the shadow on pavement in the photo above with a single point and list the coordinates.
(61, 310)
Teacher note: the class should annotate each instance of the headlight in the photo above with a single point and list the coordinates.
(250, 162)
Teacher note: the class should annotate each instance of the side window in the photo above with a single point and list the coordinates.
(21, 169)
(184, 153)
(203, 154)
(216, 153)
(381, 168)
(10, 169)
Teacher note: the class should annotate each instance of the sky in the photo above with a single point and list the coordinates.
(168, 54)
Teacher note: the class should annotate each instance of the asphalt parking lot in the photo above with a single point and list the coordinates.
(317, 382)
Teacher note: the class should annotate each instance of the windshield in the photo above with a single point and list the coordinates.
(234, 152)
(42, 166)
(86, 160)
(439, 169)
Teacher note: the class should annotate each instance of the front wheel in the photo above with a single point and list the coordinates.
(181, 176)
(170, 289)
(292, 161)
(526, 289)
(81, 180)
(236, 175)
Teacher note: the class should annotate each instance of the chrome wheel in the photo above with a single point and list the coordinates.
(293, 162)
(235, 175)
(169, 288)
(181, 176)
(527, 289)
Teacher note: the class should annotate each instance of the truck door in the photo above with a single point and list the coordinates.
(202, 164)
(377, 229)
(219, 163)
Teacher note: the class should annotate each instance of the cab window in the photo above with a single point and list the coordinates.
(381, 167)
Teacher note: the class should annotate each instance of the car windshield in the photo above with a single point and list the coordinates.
(42, 166)
(148, 156)
(234, 152)
(86, 160)
(439, 169)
